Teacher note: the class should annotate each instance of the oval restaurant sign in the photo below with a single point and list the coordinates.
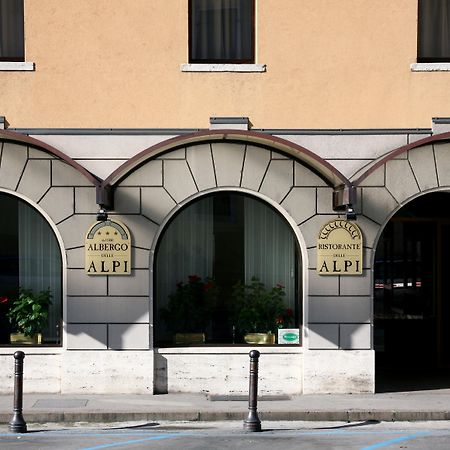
(108, 249)
(340, 249)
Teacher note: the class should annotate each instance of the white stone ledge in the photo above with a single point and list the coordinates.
(430, 67)
(18, 66)
(229, 350)
(223, 67)
(31, 350)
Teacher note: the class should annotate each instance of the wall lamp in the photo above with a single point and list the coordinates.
(350, 213)
(102, 215)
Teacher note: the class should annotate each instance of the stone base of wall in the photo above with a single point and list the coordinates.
(107, 372)
(218, 371)
(41, 373)
(225, 370)
(81, 372)
(339, 372)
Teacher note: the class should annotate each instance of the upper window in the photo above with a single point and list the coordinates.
(434, 31)
(11, 30)
(221, 31)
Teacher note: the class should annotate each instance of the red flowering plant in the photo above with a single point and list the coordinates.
(5, 303)
(191, 306)
(285, 319)
(4, 322)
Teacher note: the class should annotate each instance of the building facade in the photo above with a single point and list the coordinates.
(222, 137)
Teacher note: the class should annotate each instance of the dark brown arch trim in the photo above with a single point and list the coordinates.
(13, 137)
(397, 152)
(322, 168)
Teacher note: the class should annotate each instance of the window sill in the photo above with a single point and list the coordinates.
(16, 66)
(430, 67)
(223, 67)
(31, 349)
(223, 350)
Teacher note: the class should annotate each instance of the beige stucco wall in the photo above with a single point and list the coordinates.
(330, 64)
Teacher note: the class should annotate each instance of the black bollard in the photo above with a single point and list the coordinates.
(252, 422)
(18, 424)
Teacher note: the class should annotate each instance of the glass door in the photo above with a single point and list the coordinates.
(406, 306)
(443, 304)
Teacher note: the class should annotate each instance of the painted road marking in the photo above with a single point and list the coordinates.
(136, 441)
(395, 441)
(136, 437)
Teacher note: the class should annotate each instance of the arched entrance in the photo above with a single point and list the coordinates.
(213, 243)
(412, 296)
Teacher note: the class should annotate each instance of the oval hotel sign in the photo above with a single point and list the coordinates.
(340, 249)
(108, 249)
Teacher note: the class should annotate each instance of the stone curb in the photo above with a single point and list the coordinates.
(211, 416)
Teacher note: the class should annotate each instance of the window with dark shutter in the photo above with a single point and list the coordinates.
(221, 31)
(11, 30)
(434, 31)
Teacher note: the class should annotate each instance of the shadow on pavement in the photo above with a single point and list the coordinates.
(349, 425)
(397, 380)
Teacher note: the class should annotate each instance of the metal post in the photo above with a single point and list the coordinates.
(252, 423)
(18, 424)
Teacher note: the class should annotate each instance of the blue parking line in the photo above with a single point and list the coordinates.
(395, 441)
(136, 441)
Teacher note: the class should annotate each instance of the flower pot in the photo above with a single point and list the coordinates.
(259, 338)
(189, 338)
(20, 338)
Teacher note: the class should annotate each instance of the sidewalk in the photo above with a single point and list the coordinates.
(404, 406)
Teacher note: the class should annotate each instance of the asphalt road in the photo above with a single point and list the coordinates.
(230, 435)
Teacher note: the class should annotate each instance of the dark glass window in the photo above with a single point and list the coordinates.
(11, 30)
(434, 31)
(213, 245)
(30, 259)
(221, 31)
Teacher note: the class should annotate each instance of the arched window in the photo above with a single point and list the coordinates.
(218, 264)
(30, 262)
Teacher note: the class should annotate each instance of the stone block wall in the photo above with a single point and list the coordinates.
(105, 314)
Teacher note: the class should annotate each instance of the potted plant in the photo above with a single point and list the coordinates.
(256, 310)
(190, 309)
(28, 315)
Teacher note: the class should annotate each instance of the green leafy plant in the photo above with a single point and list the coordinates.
(28, 313)
(257, 308)
(191, 306)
